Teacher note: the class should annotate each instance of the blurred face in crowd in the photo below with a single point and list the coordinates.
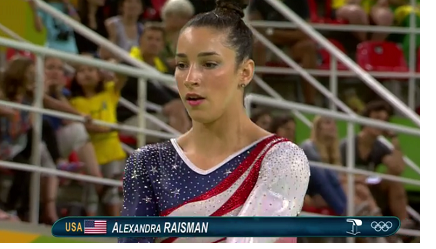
(287, 130)
(176, 20)
(381, 115)
(30, 77)
(88, 77)
(18, 78)
(54, 72)
(327, 128)
(132, 7)
(264, 121)
(152, 42)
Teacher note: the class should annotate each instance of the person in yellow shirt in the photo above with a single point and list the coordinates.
(365, 12)
(91, 95)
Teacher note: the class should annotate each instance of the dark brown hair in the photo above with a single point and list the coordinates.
(376, 106)
(227, 17)
(14, 78)
(154, 26)
(280, 121)
(257, 114)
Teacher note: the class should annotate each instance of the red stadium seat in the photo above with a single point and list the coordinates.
(381, 57)
(418, 60)
(326, 56)
(327, 19)
(157, 5)
(129, 140)
(5, 171)
(73, 158)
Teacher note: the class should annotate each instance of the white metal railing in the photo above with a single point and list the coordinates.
(100, 40)
(93, 62)
(350, 156)
(34, 202)
(288, 105)
(329, 94)
(336, 53)
(106, 44)
(332, 94)
(335, 27)
(132, 107)
(96, 39)
(249, 99)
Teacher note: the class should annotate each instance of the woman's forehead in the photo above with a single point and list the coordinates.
(197, 40)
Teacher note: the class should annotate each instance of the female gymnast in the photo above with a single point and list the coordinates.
(225, 165)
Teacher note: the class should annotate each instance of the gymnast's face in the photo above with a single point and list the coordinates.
(207, 75)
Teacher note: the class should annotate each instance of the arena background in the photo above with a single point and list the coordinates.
(11, 15)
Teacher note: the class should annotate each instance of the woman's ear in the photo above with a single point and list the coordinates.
(247, 72)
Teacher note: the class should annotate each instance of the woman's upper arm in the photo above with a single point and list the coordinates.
(139, 198)
(285, 174)
(110, 27)
(280, 188)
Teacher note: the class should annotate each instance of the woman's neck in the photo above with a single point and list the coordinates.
(88, 92)
(224, 136)
(365, 139)
(128, 20)
(148, 58)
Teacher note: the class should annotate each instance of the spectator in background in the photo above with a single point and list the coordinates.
(175, 14)
(365, 12)
(70, 136)
(370, 153)
(294, 43)
(324, 184)
(262, 118)
(93, 96)
(59, 35)
(284, 126)
(151, 45)
(402, 12)
(92, 15)
(124, 30)
(16, 140)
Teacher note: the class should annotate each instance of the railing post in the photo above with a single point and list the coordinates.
(142, 99)
(247, 104)
(362, 74)
(412, 58)
(269, 90)
(333, 80)
(350, 176)
(36, 141)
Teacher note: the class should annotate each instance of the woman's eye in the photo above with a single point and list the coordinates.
(181, 65)
(210, 64)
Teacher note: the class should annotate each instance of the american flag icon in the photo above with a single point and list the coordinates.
(95, 226)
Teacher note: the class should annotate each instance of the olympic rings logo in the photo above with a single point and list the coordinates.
(381, 226)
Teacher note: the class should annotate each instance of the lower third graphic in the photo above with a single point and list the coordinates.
(355, 223)
(381, 226)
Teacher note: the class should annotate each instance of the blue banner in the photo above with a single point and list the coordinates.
(226, 227)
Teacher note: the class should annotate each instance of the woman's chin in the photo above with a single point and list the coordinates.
(201, 116)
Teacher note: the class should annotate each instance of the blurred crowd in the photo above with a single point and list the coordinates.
(148, 31)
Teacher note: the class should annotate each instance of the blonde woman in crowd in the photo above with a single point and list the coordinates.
(328, 187)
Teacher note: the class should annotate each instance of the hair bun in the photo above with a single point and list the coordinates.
(235, 6)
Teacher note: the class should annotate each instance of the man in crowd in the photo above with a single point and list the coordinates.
(369, 153)
(151, 45)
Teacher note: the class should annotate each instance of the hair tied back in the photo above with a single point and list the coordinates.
(233, 6)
